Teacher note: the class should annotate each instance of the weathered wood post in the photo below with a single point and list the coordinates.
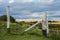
(8, 18)
(8, 14)
(45, 29)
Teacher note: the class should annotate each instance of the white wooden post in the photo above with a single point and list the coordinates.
(8, 18)
(45, 29)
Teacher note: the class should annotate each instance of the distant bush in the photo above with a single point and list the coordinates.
(4, 18)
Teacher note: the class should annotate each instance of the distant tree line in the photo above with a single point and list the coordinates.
(52, 21)
(4, 18)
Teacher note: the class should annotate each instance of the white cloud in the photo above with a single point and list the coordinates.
(40, 1)
(40, 4)
(55, 18)
(27, 0)
(24, 1)
(54, 13)
(36, 14)
(57, 13)
(1, 1)
(46, 1)
(11, 1)
(49, 1)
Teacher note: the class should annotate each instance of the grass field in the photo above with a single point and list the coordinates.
(33, 34)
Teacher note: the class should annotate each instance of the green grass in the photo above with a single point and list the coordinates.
(33, 34)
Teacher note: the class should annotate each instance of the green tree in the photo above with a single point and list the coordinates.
(4, 18)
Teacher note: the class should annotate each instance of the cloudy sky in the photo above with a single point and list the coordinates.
(31, 9)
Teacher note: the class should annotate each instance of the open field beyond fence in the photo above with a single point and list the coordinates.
(32, 34)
